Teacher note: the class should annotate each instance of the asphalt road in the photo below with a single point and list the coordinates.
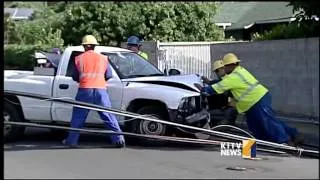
(39, 155)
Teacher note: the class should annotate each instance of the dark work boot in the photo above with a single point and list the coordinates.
(64, 142)
(120, 145)
(298, 139)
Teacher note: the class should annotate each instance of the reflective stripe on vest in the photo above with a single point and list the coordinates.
(246, 90)
(251, 87)
(92, 68)
(101, 73)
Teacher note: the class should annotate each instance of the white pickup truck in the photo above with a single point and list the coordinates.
(136, 86)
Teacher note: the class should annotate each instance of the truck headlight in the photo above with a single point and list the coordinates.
(192, 102)
(188, 102)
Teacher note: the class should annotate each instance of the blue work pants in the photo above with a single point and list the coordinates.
(79, 115)
(264, 125)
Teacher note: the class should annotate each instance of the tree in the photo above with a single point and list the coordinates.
(305, 26)
(16, 4)
(113, 22)
(306, 9)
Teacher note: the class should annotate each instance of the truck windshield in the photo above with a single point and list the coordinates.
(131, 65)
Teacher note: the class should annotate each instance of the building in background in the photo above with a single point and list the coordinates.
(19, 13)
(240, 20)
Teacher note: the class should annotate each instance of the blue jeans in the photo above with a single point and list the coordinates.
(79, 115)
(263, 124)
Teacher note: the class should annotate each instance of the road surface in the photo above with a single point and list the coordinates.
(38, 155)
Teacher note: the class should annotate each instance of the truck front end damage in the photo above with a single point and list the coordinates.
(191, 111)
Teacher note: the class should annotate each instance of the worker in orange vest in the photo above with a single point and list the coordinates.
(92, 70)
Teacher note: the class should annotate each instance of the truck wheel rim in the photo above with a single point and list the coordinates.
(153, 128)
(6, 127)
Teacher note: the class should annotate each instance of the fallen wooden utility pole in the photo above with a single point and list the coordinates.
(290, 149)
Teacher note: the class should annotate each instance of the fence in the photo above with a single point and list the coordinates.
(189, 58)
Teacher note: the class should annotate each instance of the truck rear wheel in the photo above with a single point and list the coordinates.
(11, 113)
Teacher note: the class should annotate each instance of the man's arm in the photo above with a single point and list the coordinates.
(221, 86)
(108, 74)
(75, 73)
(214, 81)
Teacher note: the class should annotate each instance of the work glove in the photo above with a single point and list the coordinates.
(201, 89)
(205, 80)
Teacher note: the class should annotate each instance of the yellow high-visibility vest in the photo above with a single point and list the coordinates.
(143, 54)
(245, 88)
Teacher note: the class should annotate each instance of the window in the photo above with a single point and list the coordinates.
(126, 64)
(131, 65)
(71, 63)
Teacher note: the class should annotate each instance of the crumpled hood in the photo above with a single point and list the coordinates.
(179, 81)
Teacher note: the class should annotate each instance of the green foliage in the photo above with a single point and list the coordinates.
(113, 22)
(8, 26)
(306, 9)
(287, 31)
(65, 23)
(38, 32)
(303, 27)
(23, 4)
(43, 30)
(20, 56)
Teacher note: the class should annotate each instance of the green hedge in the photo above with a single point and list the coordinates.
(20, 57)
(290, 31)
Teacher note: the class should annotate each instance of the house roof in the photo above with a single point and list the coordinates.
(242, 15)
(19, 13)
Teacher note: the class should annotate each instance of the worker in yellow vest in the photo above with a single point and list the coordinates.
(253, 99)
(223, 111)
(134, 44)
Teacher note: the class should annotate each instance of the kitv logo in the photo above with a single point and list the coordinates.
(247, 148)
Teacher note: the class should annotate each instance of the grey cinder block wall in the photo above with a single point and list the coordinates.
(288, 68)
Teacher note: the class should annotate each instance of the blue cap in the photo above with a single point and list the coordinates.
(133, 40)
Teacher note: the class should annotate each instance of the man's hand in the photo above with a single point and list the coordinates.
(202, 89)
(198, 86)
(205, 80)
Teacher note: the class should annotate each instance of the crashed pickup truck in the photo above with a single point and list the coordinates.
(136, 86)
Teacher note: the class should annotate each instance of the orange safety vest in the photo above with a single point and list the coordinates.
(92, 68)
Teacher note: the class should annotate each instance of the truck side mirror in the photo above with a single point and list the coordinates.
(41, 61)
(42, 67)
(174, 72)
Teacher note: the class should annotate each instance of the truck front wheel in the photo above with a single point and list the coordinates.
(148, 127)
(11, 113)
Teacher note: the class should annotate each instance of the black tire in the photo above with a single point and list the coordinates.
(11, 113)
(148, 127)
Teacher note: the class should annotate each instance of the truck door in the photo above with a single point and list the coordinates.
(65, 87)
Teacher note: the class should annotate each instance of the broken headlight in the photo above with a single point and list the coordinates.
(190, 104)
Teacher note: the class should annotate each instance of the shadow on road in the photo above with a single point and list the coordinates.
(42, 139)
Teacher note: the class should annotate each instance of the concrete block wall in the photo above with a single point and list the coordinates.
(288, 68)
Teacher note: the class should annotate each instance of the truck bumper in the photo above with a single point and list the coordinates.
(198, 119)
